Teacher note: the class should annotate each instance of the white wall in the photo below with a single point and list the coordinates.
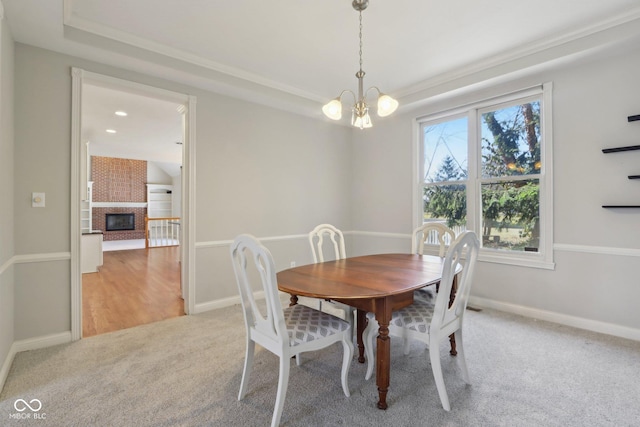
(176, 208)
(42, 163)
(155, 175)
(6, 195)
(596, 282)
(259, 170)
(276, 175)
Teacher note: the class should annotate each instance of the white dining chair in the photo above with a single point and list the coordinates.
(433, 321)
(327, 235)
(284, 332)
(431, 232)
(317, 242)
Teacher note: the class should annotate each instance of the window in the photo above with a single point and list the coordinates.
(487, 168)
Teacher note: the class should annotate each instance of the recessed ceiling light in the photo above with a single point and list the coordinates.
(111, 131)
(121, 113)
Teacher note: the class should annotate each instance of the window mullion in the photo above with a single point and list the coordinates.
(473, 184)
(418, 169)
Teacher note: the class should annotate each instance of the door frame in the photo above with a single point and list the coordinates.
(187, 245)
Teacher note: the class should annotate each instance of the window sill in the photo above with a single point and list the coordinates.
(530, 260)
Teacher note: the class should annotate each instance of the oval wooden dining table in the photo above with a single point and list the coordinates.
(378, 284)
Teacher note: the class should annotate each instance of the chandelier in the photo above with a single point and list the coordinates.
(360, 111)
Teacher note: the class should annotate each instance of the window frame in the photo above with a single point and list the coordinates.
(544, 258)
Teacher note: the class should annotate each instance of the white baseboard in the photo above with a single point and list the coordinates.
(213, 305)
(30, 344)
(6, 365)
(563, 319)
(221, 303)
(42, 342)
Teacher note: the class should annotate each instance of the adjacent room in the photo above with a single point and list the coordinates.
(131, 175)
(469, 168)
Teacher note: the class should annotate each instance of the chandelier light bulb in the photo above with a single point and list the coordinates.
(363, 122)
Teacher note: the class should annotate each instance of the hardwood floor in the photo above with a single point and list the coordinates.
(133, 287)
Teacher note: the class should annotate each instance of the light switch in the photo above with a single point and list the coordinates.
(37, 200)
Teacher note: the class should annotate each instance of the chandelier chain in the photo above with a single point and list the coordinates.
(360, 36)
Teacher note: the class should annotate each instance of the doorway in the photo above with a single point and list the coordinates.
(145, 137)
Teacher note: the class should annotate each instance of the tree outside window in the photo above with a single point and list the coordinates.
(446, 173)
(506, 171)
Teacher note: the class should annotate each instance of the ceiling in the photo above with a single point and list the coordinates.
(151, 129)
(298, 54)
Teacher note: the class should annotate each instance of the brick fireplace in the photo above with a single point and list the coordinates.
(120, 184)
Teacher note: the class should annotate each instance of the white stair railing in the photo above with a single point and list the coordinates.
(162, 232)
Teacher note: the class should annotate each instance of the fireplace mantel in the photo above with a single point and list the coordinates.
(119, 204)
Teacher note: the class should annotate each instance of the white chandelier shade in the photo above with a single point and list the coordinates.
(386, 105)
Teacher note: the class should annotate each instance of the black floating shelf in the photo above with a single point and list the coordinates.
(620, 206)
(618, 149)
(633, 118)
(634, 176)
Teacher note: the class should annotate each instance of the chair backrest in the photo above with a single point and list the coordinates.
(459, 264)
(316, 240)
(432, 233)
(253, 263)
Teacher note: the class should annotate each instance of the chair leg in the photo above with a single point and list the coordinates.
(352, 321)
(248, 364)
(367, 336)
(347, 346)
(452, 298)
(406, 345)
(434, 356)
(461, 359)
(283, 383)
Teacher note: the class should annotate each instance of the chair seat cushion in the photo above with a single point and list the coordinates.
(426, 293)
(416, 317)
(306, 324)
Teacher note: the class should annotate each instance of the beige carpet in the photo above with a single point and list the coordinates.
(186, 372)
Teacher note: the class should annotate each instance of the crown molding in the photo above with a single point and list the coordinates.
(210, 75)
(84, 25)
(536, 53)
